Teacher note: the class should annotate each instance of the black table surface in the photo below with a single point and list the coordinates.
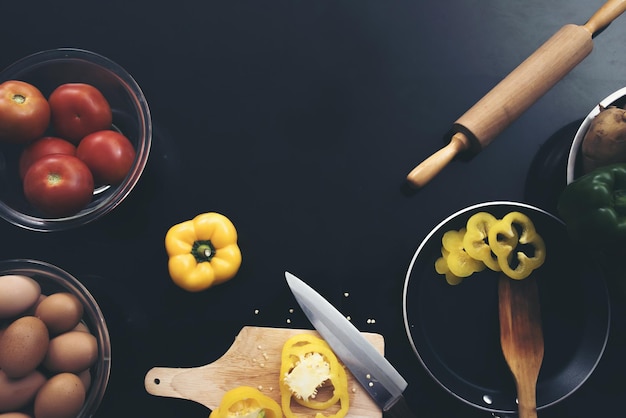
(299, 120)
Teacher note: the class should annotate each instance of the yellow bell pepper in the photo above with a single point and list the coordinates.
(246, 402)
(503, 244)
(307, 363)
(202, 251)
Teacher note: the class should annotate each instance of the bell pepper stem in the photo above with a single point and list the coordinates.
(203, 250)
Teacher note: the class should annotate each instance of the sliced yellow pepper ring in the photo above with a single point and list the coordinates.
(299, 352)
(490, 242)
(476, 242)
(441, 266)
(460, 263)
(321, 366)
(501, 237)
(248, 402)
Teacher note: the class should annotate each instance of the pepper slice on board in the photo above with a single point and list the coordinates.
(246, 402)
(202, 252)
(308, 363)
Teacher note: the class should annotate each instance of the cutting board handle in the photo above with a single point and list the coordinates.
(610, 11)
(186, 383)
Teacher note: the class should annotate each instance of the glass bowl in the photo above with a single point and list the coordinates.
(131, 116)
(574, 159)
(53, 279)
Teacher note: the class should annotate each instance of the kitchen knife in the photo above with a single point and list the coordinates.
(379, 378)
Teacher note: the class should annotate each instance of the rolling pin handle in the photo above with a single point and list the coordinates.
(429, 168)
(605, 15)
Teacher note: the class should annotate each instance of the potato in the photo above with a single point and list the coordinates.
(605, 141)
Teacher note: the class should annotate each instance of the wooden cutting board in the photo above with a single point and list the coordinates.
(252, 360)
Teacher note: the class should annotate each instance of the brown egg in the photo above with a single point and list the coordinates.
(85, 377)
(31, 311)
(23, 346)
(62, 396)
(81, 327)
(15, 415)
(17, 294)
(60, 312)
(16, 393)
(72, 351)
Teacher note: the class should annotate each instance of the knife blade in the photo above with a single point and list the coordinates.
(371, 369)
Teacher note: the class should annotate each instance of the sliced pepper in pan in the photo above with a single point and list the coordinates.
(441, 266)
(490, 242)
(476, 239)
(202, 251)
(516, 264)
(455, 262)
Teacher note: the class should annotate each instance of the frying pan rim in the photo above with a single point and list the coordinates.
(407, 324)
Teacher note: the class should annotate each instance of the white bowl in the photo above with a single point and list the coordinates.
(574, 168)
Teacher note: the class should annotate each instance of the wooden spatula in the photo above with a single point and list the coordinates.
(521, 338)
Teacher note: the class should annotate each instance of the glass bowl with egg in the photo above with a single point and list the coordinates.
(55, 351)
(127, 112)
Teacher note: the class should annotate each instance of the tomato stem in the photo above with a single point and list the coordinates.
(19, 99)
(54, 179)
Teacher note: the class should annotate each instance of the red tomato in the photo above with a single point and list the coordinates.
(58, 185)
(24, 112)
(79, 109)
(42, 147)
(108, 154)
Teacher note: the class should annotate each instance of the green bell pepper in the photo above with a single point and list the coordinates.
(593, 207)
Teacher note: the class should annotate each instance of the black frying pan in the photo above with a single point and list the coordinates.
(454, 330)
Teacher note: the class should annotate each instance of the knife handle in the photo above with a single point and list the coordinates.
(399, 409)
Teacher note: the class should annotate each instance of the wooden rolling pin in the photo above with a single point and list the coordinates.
(518, 91)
